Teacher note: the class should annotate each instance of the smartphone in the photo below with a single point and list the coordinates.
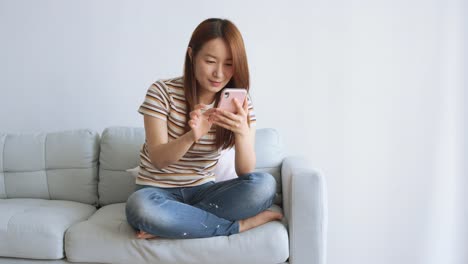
(227, 94)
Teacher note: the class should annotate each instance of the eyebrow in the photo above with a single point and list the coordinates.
(210, 55)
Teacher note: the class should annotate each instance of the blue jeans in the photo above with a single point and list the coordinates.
(210, 209)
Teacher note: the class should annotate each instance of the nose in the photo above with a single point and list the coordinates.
(218, 72)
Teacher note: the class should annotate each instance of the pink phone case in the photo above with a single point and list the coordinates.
(227, 94)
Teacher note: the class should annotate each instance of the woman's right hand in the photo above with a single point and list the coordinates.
(199, 122)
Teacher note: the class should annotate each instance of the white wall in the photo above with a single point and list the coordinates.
(364, 89)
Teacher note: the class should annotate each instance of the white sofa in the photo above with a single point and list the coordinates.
(62, 200)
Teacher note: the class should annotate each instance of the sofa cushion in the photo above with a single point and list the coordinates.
(120, 151)
(35, 261)
(58, 165)
(106, 237)
(226, 167)
(35, 228)
(270, 153)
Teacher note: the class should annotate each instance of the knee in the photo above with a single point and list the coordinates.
(265, 184)
(141, 203)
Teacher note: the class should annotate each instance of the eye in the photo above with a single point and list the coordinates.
(210, 61)
(228, 64)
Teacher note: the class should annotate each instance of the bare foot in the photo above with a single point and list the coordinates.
(260, 219)
(143, 235)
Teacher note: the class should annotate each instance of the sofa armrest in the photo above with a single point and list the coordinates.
(305, 207)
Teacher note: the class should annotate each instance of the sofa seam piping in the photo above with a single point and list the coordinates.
(322, 218)
(292, 229)
(45, 166)
(3, 166)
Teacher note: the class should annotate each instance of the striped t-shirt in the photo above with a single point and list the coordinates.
(165, 99)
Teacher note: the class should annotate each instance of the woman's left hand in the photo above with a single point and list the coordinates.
(237, 123)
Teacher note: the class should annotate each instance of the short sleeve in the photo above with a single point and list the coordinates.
(156, 103)
(252, 117)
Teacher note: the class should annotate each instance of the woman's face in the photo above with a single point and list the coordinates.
(213, 66)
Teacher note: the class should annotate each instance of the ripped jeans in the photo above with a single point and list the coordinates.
(210, 209)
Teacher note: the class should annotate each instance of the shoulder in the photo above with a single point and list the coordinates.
(168, 87)
(172, 86)
(249, 100)
(175, 82)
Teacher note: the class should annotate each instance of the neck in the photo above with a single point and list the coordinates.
(206, 98)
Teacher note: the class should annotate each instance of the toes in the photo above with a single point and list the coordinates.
(141, 234)
(144, 235)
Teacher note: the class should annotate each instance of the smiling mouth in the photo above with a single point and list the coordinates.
(215, 83)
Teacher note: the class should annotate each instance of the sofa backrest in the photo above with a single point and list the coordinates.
(270, 154)
(58, 165)
(120, 150)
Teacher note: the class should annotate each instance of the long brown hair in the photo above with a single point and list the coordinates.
(209, 29)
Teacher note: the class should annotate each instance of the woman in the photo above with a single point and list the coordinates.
(185, 136)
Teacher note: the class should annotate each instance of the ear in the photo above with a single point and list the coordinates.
(189, 51)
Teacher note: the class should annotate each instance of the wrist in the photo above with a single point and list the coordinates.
(241, 136)
(192, 137)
